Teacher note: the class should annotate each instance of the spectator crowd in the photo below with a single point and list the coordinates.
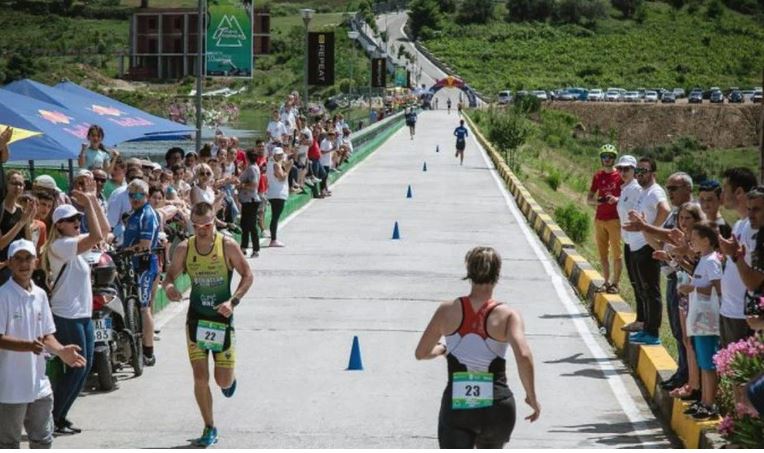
(713, 271)
(44, 232)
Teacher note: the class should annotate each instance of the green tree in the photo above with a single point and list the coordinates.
(508, 131)
(626, 7)
(447, 6)
(715, 10)
(424, 13)
(676, 4)
(576, 11)
(475, 11)
(529, 10)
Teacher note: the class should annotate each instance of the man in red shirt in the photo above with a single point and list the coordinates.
(607, 226)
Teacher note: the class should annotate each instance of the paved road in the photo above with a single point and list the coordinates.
(341, 275)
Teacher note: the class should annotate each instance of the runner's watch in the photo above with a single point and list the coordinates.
(234, 301)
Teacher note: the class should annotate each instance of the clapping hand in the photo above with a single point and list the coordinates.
(661, 255)
(71, 356)
(730, 247)
(676, 236)
(27, 217)
(5, 137)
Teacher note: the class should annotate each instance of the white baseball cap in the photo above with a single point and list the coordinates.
(65, 211)
(626, 161)
(84, 172)
(156, 166)
(278, 150)
(46, 182)
(21, 244)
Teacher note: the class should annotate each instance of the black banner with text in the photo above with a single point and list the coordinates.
(321, 58)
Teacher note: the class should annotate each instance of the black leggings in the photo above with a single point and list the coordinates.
(277, 207)
(648, 275)
(325, 179)
(489, 427)
(249, 225)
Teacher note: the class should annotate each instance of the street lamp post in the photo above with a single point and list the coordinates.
(307, 15)
(371, 49)
(353, 35)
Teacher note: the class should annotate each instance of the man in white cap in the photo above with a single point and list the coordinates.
(48, 184)
(26, 331)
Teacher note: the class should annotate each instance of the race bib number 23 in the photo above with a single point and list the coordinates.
(472, 390)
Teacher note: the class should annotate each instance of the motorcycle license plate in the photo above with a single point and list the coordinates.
(102, 329)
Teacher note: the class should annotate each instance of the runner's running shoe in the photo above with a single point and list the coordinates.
(209, 437)
(230, 390)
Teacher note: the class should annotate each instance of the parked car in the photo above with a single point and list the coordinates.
(565, 95)
(696, 97)
(596, 95)
(504, 97)
(651, 96)
(668, 98)
(631, 96)
(541, 94)
(736, 97)
(716, 97)
(756, 99)
(679, 93)
(612, 95)
(747, 95)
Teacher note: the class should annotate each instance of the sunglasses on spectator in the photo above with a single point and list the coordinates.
(137, 196)
(204, 225)
(71, 219)
(205, 173)
(100, 179)
(641, 171)
(607, 157)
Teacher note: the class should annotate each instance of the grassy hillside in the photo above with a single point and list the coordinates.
(668, 49)
(50, 47)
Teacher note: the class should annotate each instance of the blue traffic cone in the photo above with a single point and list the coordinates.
(437, 148)
(408, 193)
(396, 233)
(424, 167)
(355, 362)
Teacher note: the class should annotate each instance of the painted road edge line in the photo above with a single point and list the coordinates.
(651, 364)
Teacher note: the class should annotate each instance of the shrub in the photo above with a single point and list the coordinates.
(529, 10)
(715, 10)
(475, 11)
(626, 7)
(423, 13)
(577, 11)
(527, 104)
(554, 179)
(574, 222)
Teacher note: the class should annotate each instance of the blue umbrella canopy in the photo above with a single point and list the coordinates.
(63, 131)
(118, 127)
(104, 103)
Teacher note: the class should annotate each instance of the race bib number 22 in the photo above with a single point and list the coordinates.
(210, 335)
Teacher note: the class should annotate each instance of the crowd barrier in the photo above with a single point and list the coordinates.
(651, 364)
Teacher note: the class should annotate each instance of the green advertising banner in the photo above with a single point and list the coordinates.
(229, 38)
(401, 77)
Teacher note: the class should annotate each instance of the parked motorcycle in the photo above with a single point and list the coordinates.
(116, 318)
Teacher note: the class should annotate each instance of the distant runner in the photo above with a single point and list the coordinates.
(461, 134)
(459, 108)
(478, 408)
(448, 105)
(411, 121)
(209, 258)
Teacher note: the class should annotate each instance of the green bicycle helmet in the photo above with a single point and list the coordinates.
(608, 149)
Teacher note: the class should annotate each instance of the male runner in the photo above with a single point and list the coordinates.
(209, 257)
(411, 121)
(448, 105)
(461, 133)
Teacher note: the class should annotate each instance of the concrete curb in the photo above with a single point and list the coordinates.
(651, 364)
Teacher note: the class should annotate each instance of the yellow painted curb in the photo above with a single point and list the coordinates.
(620, 319)
(687, 428)
(653, 359)
(570, 261)
(586, 278)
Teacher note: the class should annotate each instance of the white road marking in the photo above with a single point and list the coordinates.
(627, 403)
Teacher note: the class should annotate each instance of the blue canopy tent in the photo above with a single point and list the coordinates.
(118, 126)
(63, 131)
(159, 125)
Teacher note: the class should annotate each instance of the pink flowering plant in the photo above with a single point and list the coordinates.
(736, 365)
